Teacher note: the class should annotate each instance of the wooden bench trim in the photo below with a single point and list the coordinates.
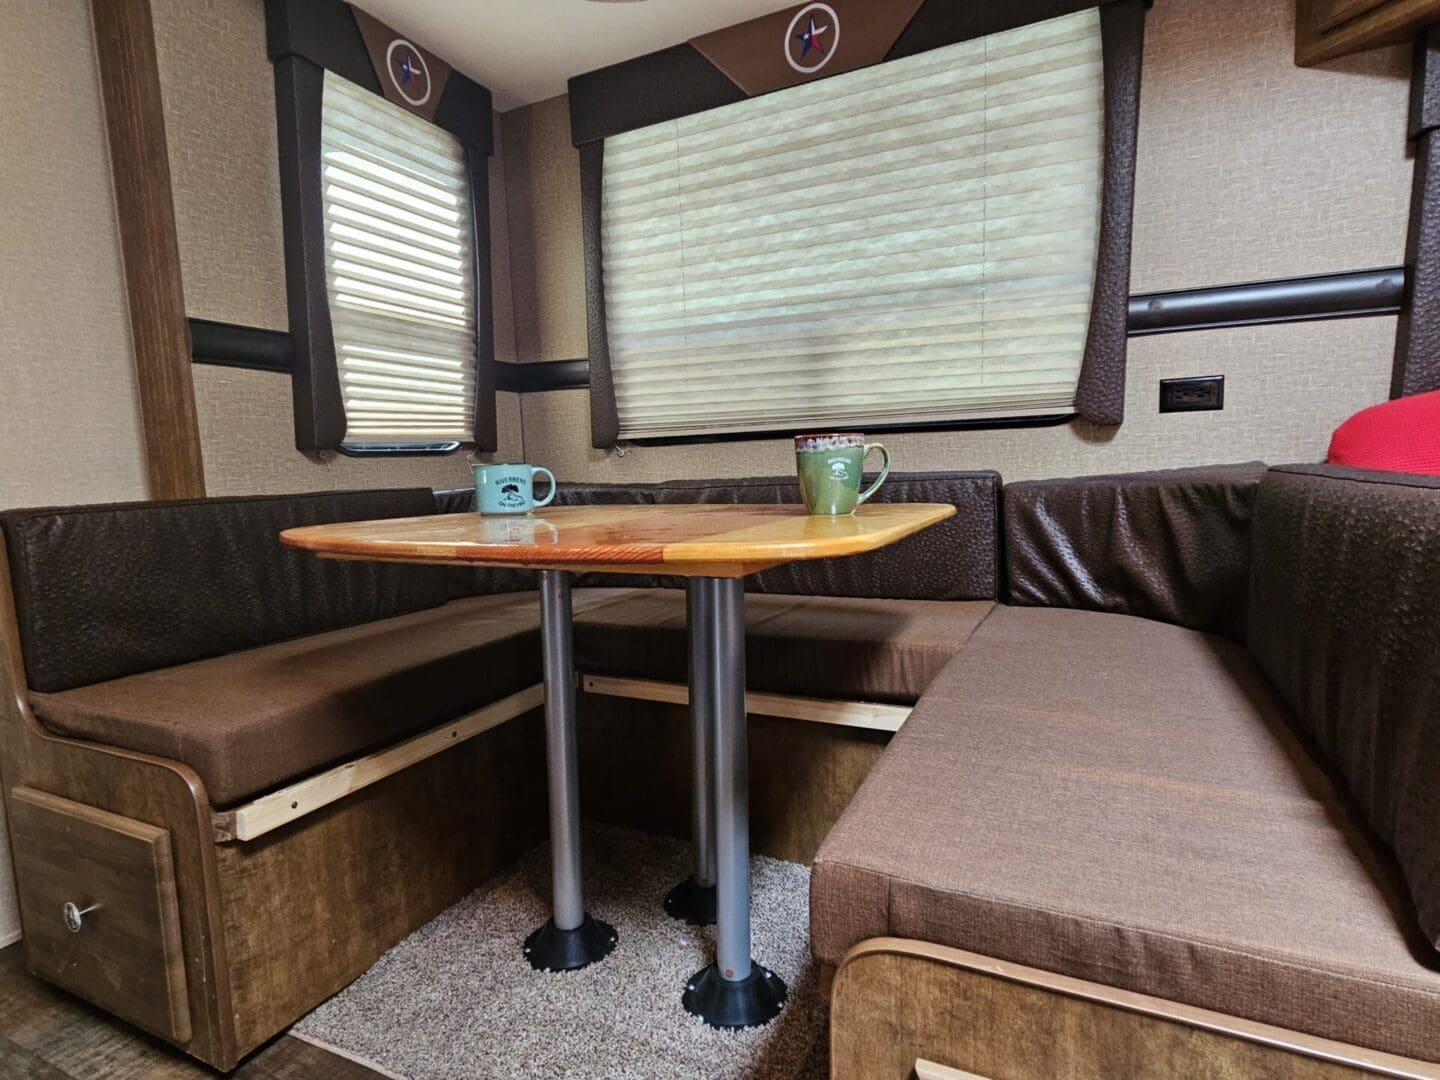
(269, 812)
(1362, 1059)
(856, 714)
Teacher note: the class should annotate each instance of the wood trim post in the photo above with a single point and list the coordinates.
(140, 166)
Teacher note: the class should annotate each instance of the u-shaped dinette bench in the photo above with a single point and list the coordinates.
(1161, 796)
(299, 734)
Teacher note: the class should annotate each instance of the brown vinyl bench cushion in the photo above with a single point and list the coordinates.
(1172, 545)
(1125, 801)
(814, 646)
(107, 591)
(1345, 621)
(257, 719)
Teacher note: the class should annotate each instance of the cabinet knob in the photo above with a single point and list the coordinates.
(75, 916)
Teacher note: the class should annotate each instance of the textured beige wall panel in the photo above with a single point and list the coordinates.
(69, 414)
(249, 438)
(65, 353)
(547, 267)
(502, 295)
(1287, 387)
(219, 94)
(1250, 167)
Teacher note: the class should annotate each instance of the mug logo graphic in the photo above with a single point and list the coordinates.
(839, 468)
(510, 495)
(408, 72)
(812, 38)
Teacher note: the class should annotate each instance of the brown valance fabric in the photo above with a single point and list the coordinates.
(680, 81)
(1100, 394)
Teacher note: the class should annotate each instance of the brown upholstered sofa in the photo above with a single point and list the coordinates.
(265, 768)
(1172, 810)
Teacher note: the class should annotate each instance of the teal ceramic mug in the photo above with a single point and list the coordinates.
(509, 489)
(829, 468)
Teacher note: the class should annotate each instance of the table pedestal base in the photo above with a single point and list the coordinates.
(691, 902)
(725, 1003)
(552, 949)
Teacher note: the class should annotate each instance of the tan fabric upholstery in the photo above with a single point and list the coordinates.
(814, 646)
(1124, 801)
(256, 719)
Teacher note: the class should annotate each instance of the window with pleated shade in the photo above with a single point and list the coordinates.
(399, 271)
(910, 242)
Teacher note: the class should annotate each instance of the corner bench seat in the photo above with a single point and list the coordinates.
(252, 720)
(833, 647)
(1124, 801)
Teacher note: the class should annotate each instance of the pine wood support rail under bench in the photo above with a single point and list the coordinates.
(254, 819)
(269, 812)
(859, 714)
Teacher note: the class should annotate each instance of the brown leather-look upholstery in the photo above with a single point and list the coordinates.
(1125, 801)
(262, 717)
(111, 590)
(1345, 621)
(1171, 545)
(815, 646)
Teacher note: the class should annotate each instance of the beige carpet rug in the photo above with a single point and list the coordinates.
(457, 999)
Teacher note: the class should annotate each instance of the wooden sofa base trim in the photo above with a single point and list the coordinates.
(858, 714)
(269, 812)
(896, 1002)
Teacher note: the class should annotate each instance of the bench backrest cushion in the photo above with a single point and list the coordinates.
(1345, 621)
(107, 591)
(955, 560)
(1172, 545)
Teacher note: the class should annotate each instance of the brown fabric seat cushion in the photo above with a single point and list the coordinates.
(257, 719)
(814, 646)
(1125, 801)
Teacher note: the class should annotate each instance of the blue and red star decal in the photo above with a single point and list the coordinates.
(410, 71)
(809, 39)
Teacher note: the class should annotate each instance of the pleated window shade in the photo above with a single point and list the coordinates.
(399, 270)
(914, 241)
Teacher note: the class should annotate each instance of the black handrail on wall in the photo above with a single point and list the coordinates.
(1298, 299)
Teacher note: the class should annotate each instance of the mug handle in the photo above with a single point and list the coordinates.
(534, 469)
(884, 470)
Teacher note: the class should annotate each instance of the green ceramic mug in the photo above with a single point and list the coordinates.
(829, 468)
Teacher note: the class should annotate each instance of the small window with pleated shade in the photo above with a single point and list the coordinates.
(399, 272)
(910, 242)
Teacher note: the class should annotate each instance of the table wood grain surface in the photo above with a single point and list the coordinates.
(702, 540)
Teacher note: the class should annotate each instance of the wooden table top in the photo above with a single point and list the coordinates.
(701, 540)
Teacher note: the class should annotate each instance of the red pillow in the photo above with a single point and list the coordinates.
(1399, 436)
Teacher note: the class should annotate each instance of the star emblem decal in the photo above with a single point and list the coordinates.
(409, 71)
(809, 39)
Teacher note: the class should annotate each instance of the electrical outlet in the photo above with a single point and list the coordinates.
(1196, 394)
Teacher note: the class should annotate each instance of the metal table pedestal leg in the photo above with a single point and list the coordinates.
(693, 900)
(570, 939)
(733, 992)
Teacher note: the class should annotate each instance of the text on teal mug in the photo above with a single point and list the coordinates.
(510, 489)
